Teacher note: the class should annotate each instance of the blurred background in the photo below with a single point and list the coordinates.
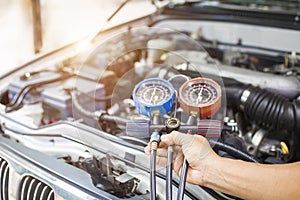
(55, 23)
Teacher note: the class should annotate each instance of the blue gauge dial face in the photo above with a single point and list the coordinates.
(153, 93)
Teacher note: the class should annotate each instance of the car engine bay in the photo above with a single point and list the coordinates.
(86, 118)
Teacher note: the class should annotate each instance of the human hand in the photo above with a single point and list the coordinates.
(195, 148)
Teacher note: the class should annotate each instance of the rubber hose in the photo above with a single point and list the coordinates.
(116, 119)
(271, 111)
(232, 151)
(80, 108)
(153, 175)
(234, 91)
(169, 174)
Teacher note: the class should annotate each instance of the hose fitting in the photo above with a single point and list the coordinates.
(155, 137)
(154, 146)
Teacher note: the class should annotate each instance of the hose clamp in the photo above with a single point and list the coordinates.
(244, 98)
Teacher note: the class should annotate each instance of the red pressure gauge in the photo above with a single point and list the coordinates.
(201, 95)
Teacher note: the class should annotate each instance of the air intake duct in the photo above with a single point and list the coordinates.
(270, 110)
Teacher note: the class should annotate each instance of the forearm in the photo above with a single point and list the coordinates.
(253, 181)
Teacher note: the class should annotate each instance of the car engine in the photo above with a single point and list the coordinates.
(74, 123)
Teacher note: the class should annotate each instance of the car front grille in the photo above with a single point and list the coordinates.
(33, 189)
(4, 177)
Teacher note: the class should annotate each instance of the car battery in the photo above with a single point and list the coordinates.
(58, 103)
(16, 86)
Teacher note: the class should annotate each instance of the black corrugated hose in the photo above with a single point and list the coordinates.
(270, 110)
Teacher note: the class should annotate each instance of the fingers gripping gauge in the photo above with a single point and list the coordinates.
(153, 94)
(201, 95)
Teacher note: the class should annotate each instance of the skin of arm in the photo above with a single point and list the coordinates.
(239, 178)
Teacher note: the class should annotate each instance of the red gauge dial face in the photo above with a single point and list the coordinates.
(201, 95)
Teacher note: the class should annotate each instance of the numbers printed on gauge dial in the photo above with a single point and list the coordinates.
(201, 95)
(153, 94)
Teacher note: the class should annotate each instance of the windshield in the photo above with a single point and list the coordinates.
(30, 30)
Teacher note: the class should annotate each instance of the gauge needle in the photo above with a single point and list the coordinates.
(152, 95)
(199, 99)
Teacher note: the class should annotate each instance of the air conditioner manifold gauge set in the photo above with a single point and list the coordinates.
(199, 98)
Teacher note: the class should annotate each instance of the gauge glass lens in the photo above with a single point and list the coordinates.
(199, 93)
(153, 93)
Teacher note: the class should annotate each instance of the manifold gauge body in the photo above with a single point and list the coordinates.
(153, 94)
(201, 95)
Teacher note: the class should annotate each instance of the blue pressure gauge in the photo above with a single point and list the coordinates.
(153, 94)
